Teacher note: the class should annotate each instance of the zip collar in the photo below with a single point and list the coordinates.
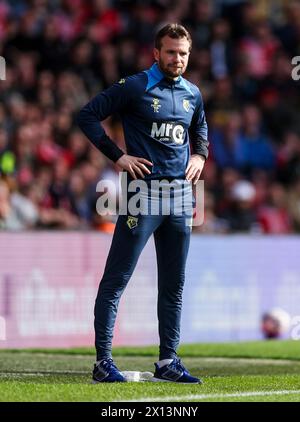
(155, 75)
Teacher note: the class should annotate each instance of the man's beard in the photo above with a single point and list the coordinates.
(169, 71)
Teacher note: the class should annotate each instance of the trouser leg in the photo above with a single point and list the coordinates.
(172, 240)
(126, 247)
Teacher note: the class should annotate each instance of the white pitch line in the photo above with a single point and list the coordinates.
(215, 396)
(43, 373)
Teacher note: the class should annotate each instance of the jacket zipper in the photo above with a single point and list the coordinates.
(174, 110)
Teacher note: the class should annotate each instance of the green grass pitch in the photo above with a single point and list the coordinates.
(248, 371)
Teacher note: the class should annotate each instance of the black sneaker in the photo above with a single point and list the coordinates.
(106, 371)
(174, 372)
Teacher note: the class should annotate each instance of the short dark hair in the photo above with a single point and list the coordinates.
(172, 30)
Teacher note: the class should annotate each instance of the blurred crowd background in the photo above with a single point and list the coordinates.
(61, 53)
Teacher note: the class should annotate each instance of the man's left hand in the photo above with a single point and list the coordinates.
(194, 168)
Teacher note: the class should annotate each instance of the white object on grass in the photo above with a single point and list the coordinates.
(136, 376)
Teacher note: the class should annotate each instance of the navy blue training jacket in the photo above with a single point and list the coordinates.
(161, 119)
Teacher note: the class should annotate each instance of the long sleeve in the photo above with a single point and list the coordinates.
(198, 131)
(108, 102)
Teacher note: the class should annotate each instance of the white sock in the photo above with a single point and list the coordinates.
(164, 362)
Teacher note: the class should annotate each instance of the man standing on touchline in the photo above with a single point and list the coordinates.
(163, 118)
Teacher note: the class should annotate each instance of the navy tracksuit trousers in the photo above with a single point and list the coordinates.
(172, 238)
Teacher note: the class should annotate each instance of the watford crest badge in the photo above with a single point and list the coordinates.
(186, 105)
(132, 222)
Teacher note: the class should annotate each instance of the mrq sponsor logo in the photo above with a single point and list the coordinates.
(155, 197)
(168, 132)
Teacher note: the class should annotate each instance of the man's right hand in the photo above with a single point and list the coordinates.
(134, 165)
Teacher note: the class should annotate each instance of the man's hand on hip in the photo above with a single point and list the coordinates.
(134, 165)
(194, 168)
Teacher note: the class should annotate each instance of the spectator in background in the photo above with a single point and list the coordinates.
(289, 31)
(258, 48)
(226, 142)
(255, 149)
(223, 101)
(221, 49)
(223, 189)
(294, 204)
(59, 54)
(240, 215)
(212, 224)
(278, 98)
(17, 211)
(288, 158)
(201, 21)
(273, 214)
(79, 201)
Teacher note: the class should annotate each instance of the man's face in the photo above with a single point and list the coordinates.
(173, 56)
